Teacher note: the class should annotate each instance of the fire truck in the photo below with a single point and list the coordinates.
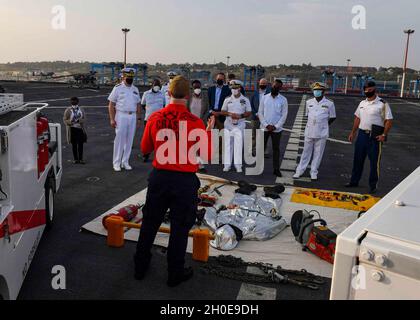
(30, 175)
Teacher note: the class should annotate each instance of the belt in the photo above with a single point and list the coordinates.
(365, 131)
(173, 172)
(127, 112)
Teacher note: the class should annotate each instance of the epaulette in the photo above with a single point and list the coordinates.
(383, 101)
(117, 85)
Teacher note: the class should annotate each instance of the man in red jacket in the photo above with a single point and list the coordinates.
(176, 137)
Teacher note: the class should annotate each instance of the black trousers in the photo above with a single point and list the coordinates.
(77, 140)
(176, 191)
(275, 140)
(366, 147)
(147, 155)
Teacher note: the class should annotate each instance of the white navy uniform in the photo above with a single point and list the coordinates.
(316, 134)
(165, 91)
(234, 130)
(126, 99)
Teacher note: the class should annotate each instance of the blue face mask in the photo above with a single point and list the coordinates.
(318, 93)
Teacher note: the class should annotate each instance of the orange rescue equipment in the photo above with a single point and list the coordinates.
(115, 226)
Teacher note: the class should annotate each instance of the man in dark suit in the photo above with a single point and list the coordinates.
(217, 95)
(263, 89)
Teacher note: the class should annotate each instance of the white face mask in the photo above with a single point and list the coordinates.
(156, 88)
(235, 92)
(197, 91)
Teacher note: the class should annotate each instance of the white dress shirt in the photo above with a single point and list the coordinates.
(154, 101)
(273, 111)
(373, 112)
(217, 97)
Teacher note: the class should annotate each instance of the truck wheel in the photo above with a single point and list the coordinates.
(49, 205)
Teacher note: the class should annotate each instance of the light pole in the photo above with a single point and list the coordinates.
(125, 31)
(227, 65)
(347, 76)
(409, 32)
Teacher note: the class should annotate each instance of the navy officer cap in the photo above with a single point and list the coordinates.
(369, 84)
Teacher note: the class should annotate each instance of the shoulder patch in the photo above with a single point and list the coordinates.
(117, 85)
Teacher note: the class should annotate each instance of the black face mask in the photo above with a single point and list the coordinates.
(370, 94)
(129, 80)
(275, 91)
(263, 87)
(220, 82)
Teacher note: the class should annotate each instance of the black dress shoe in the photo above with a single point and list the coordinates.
(146, 158)
(373, 190)
(175, 279)
(351, 185)
(277, 173)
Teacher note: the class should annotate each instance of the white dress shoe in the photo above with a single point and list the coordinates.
(117, 168)
(226, 169)
(314, 177)
(238, 169)
(127, 167)
(296, 176)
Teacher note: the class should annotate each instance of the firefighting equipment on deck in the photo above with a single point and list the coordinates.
(234, 268)
(206, 200)
(257, 218)
(334, 199)
(128, 213)
(115, 226)
(318, 239)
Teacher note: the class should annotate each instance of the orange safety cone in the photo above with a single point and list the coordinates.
(115, 225)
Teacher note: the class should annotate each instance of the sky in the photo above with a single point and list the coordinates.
(266, 32)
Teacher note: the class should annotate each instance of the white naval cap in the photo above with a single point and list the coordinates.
(172, 73)
(128, 72)
(236, 83)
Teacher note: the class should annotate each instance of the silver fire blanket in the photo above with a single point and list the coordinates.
(258, 218)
